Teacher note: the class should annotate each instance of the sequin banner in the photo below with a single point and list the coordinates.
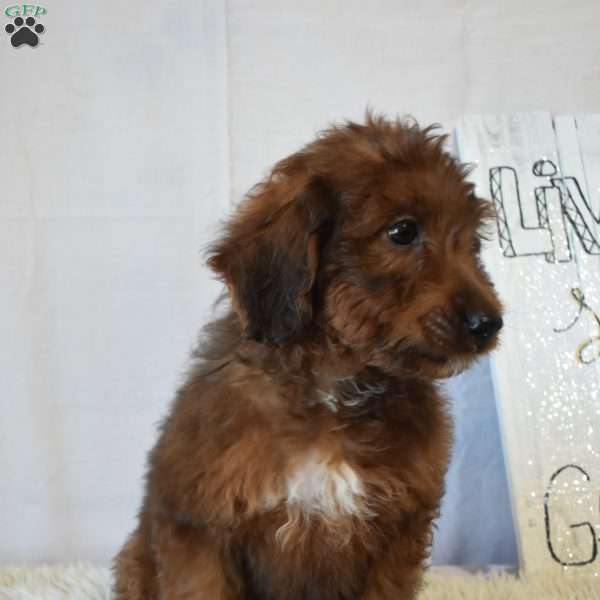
(543, 175)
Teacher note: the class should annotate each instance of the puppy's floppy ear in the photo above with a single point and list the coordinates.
(270, 256)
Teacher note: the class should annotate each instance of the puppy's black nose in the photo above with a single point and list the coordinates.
(482, 327)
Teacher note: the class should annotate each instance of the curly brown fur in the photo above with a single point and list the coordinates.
(304, 457)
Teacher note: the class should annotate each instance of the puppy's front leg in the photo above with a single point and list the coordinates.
(190, 567)
(398, 575)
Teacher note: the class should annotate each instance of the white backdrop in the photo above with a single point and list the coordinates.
(123, 135)
(113, 170)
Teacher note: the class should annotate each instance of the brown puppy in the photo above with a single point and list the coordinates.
(304, 458)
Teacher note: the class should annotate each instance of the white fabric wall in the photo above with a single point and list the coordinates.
(113, 170)
(122, 137)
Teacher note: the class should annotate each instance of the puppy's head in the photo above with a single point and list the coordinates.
(369, 237)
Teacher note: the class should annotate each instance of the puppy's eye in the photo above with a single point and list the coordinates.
(404, 232)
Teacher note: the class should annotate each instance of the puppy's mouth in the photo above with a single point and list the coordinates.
(434, 357)
(435, 364)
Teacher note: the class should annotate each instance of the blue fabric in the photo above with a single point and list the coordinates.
(475, 527)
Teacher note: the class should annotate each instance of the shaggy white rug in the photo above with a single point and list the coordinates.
(86, 582)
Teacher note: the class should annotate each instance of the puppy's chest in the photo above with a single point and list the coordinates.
(319, 485)
(318, 520)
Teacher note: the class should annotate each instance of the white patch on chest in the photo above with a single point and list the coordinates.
(320, 486)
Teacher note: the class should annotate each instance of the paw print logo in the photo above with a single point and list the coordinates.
(24, 32)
